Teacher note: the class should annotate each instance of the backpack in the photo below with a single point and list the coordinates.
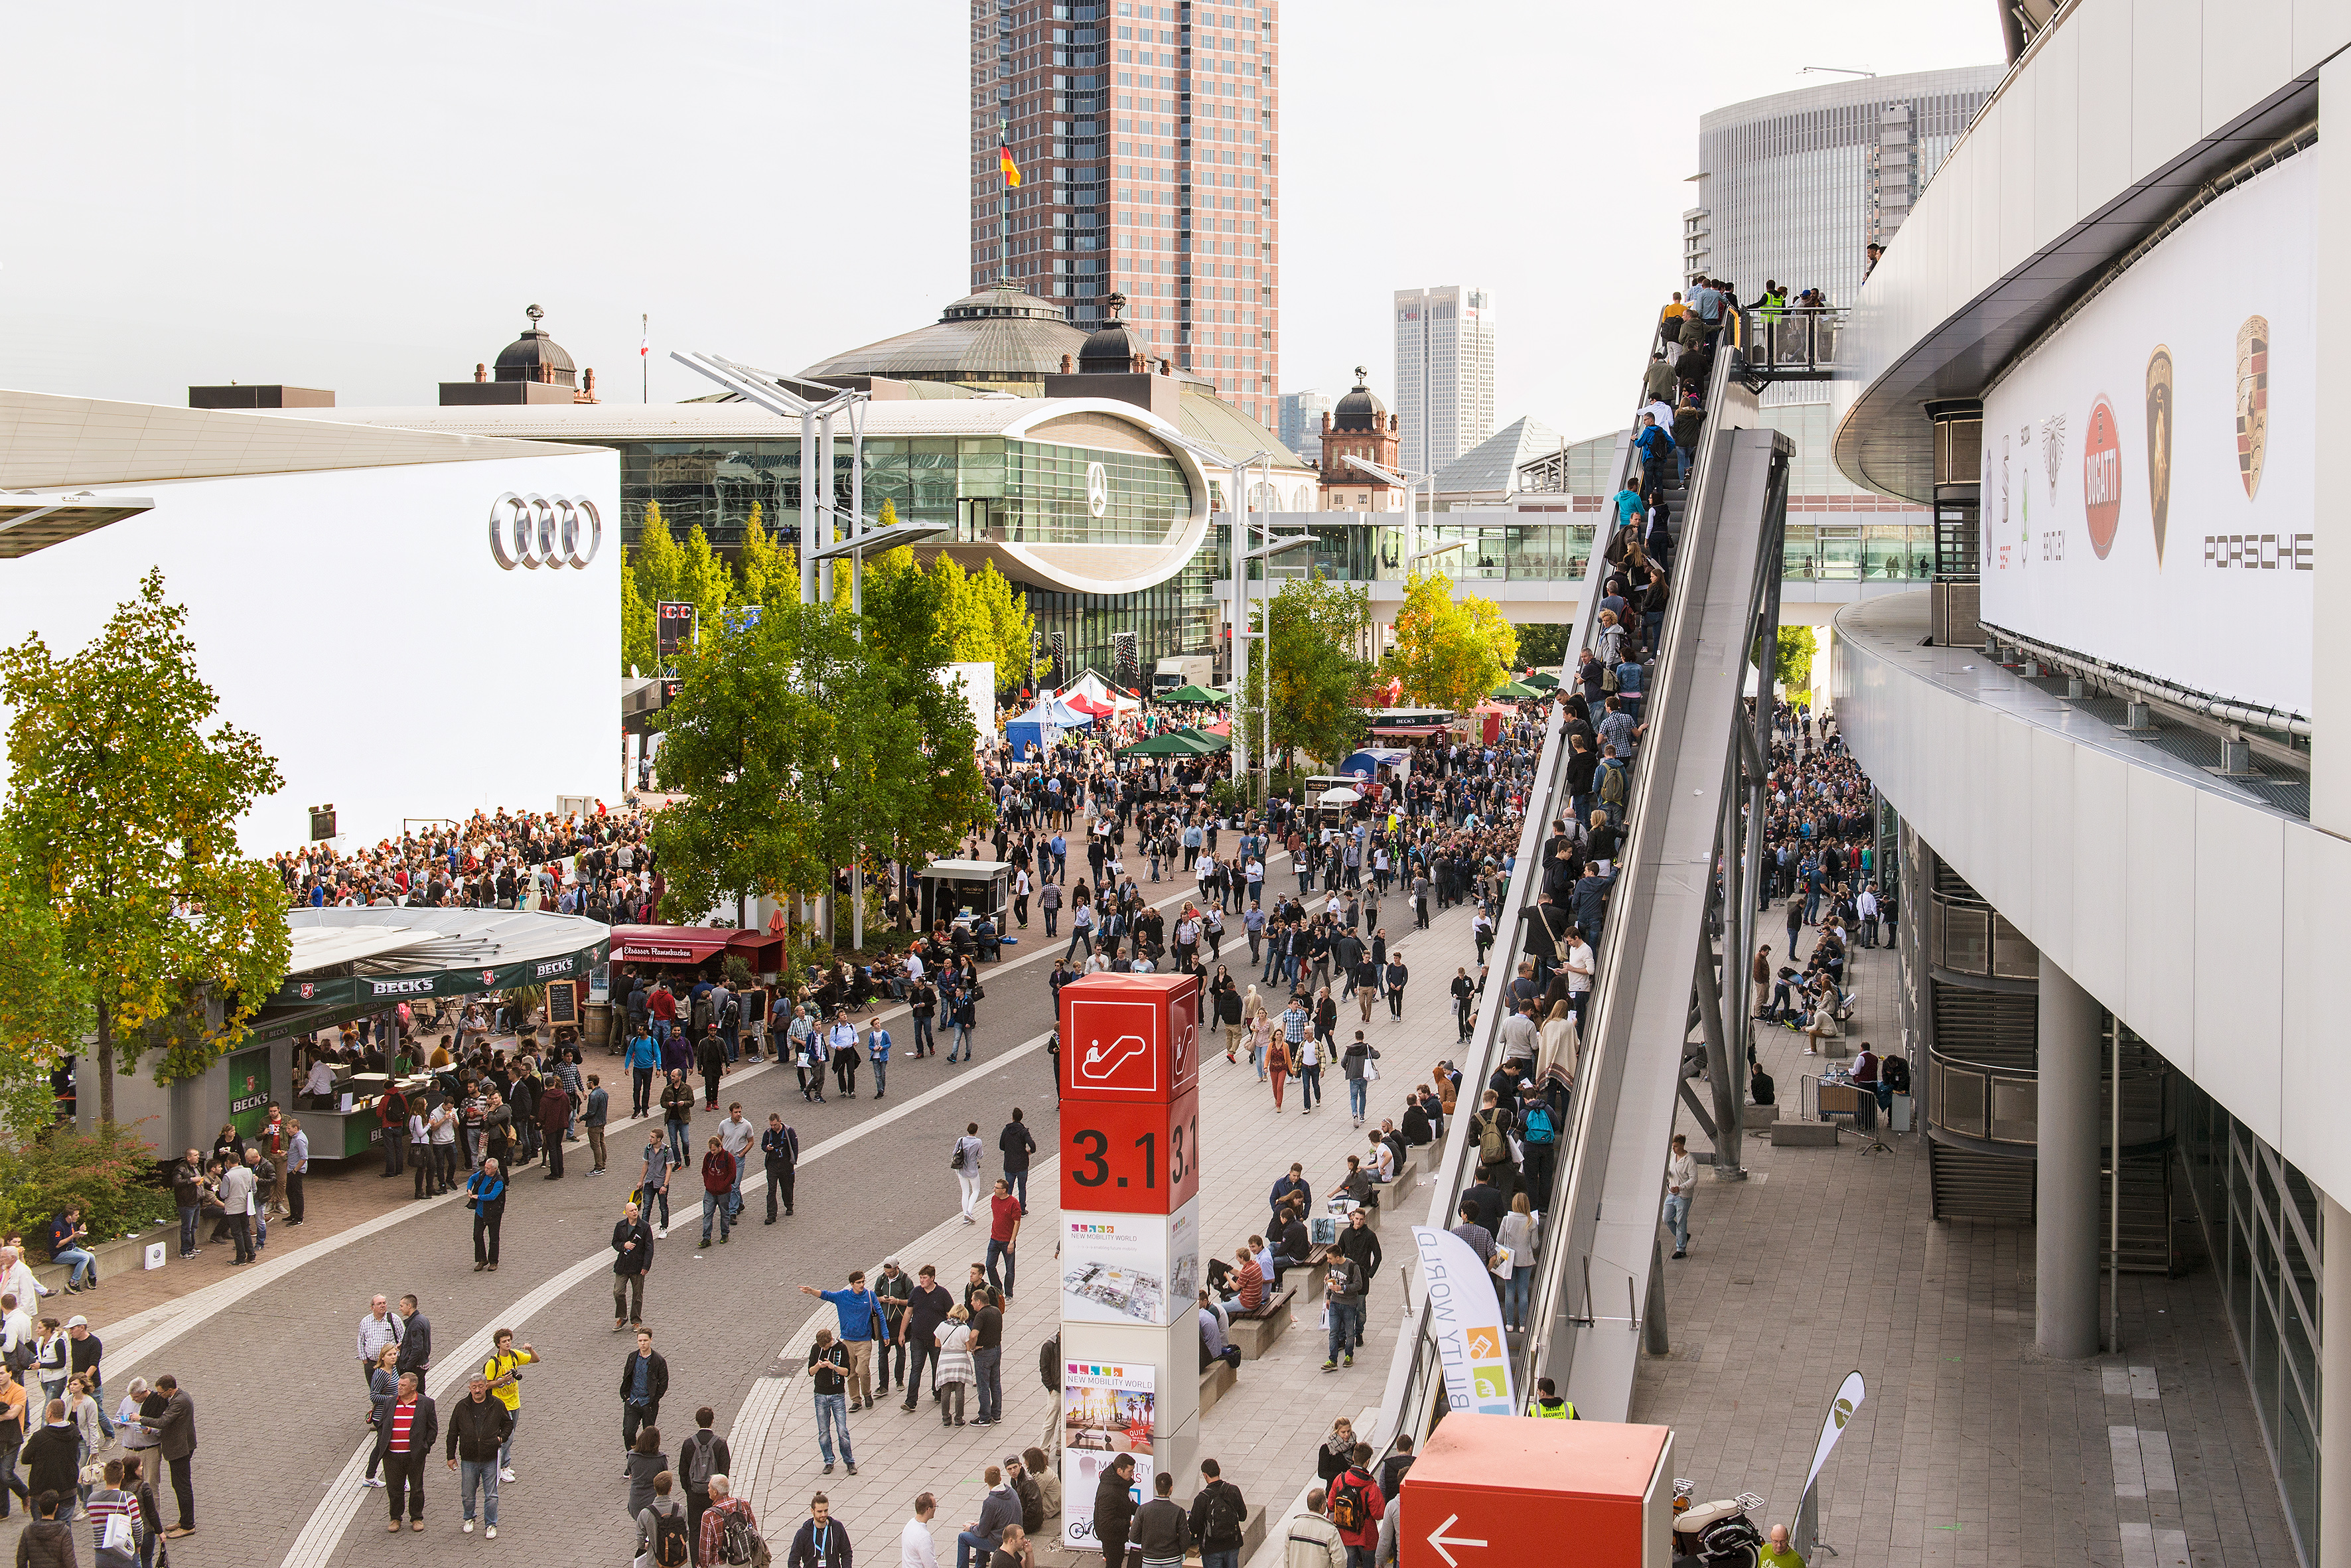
(1539, 1127)
(671, 1548)
(1612, 784)
(1225, 1516)
(1493, 1149)
(1350, 1508)
(738, 1544)
(701, 1459)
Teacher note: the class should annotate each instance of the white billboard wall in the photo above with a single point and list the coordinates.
(2193, 561)
(356, 621)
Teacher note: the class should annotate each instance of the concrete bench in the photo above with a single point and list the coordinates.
(1757, 1116)
(1256, 1331)
(1803, 1135)
(1213, 1382)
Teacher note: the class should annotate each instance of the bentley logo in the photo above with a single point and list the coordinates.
(2253, 401)
(2053, 450)
(1097, 490)
(2158, 443)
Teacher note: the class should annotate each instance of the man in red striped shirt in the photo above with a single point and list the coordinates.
(406, 1436)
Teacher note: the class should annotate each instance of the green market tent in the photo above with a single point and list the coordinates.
(1511, 691)
(1197, 695)
(1541, 680)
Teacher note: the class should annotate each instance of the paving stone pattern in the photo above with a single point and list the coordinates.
(1969, 1448)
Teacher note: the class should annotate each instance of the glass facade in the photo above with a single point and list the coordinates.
(2260, 1217)
(982, 488)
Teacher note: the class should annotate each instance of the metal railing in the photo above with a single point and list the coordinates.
(1416, 1374)
(1797, 342)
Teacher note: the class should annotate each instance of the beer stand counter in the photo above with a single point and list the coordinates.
(385, 961)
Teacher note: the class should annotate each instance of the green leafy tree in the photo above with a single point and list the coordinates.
(661, 569)
(1791, 665)
(1544, 646)
(1451, 649)
(768, 569)
(120, 817)
(1308, 691)
(43, 1006)
(799, 748)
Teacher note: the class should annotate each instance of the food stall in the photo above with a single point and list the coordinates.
(387, 963)
(961, 892)
(647, 950)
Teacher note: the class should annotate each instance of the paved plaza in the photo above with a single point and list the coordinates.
(267, 1353)
(1970, 1448)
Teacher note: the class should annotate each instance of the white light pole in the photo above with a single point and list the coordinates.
(759, 387)
(1406, 481)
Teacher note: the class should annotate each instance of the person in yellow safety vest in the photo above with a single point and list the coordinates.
(1773, 302)
(1548, 1405)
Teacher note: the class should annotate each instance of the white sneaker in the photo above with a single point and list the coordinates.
(371, 1481)
(492, 1532)
(506, 1475)
(469, 1527)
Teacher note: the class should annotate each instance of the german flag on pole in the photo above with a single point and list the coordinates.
(1006, 167)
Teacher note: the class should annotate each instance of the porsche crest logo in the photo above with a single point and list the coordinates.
(2158, 443)
(2253, 401)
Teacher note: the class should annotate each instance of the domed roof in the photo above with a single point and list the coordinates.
(1359, 409)
(534, 357)
(1003, 333)
(1111, 349)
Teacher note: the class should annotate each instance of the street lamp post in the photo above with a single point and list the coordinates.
(761, 388)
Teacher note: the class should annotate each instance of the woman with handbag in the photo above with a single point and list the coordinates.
(1519, 1236)
(383, 1388)
(114, 1519)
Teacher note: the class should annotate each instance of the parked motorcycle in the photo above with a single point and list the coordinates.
(1718, 1534)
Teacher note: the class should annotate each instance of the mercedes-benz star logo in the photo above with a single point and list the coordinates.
(1097, 490)
(544, 531)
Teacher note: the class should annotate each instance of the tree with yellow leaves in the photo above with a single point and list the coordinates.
(1451, 649)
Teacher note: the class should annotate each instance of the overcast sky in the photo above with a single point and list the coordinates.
(364, 198)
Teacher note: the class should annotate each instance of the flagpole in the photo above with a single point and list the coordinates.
(644, 358)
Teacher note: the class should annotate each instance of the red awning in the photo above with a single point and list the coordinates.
(680, 944)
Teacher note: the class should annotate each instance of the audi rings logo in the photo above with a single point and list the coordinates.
(545, 531)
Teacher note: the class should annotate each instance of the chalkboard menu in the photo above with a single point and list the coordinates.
(563, 1004)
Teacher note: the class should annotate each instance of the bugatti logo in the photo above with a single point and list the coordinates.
(2253, 401)
(2102, 477)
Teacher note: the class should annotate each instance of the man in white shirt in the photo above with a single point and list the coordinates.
(1521, 1036)
(17, 1280)
(915, 1549)
(1577, 961)
(1864, 909)
(1681, 1174)
(737, 1137)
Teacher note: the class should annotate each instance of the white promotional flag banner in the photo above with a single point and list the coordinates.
(1465, 1316)
(1849, 1396)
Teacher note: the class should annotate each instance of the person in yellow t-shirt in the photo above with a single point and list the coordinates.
(501, 1370)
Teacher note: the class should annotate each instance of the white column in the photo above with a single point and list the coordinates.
(2335, 1388)
(2066, 1233)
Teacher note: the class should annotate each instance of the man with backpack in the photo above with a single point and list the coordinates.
(1539, 1132)
(729, 1533)
(1219, 1514)
(699, 1459)
(1342, 1293)
(1356, 1505)
(662, 1539)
